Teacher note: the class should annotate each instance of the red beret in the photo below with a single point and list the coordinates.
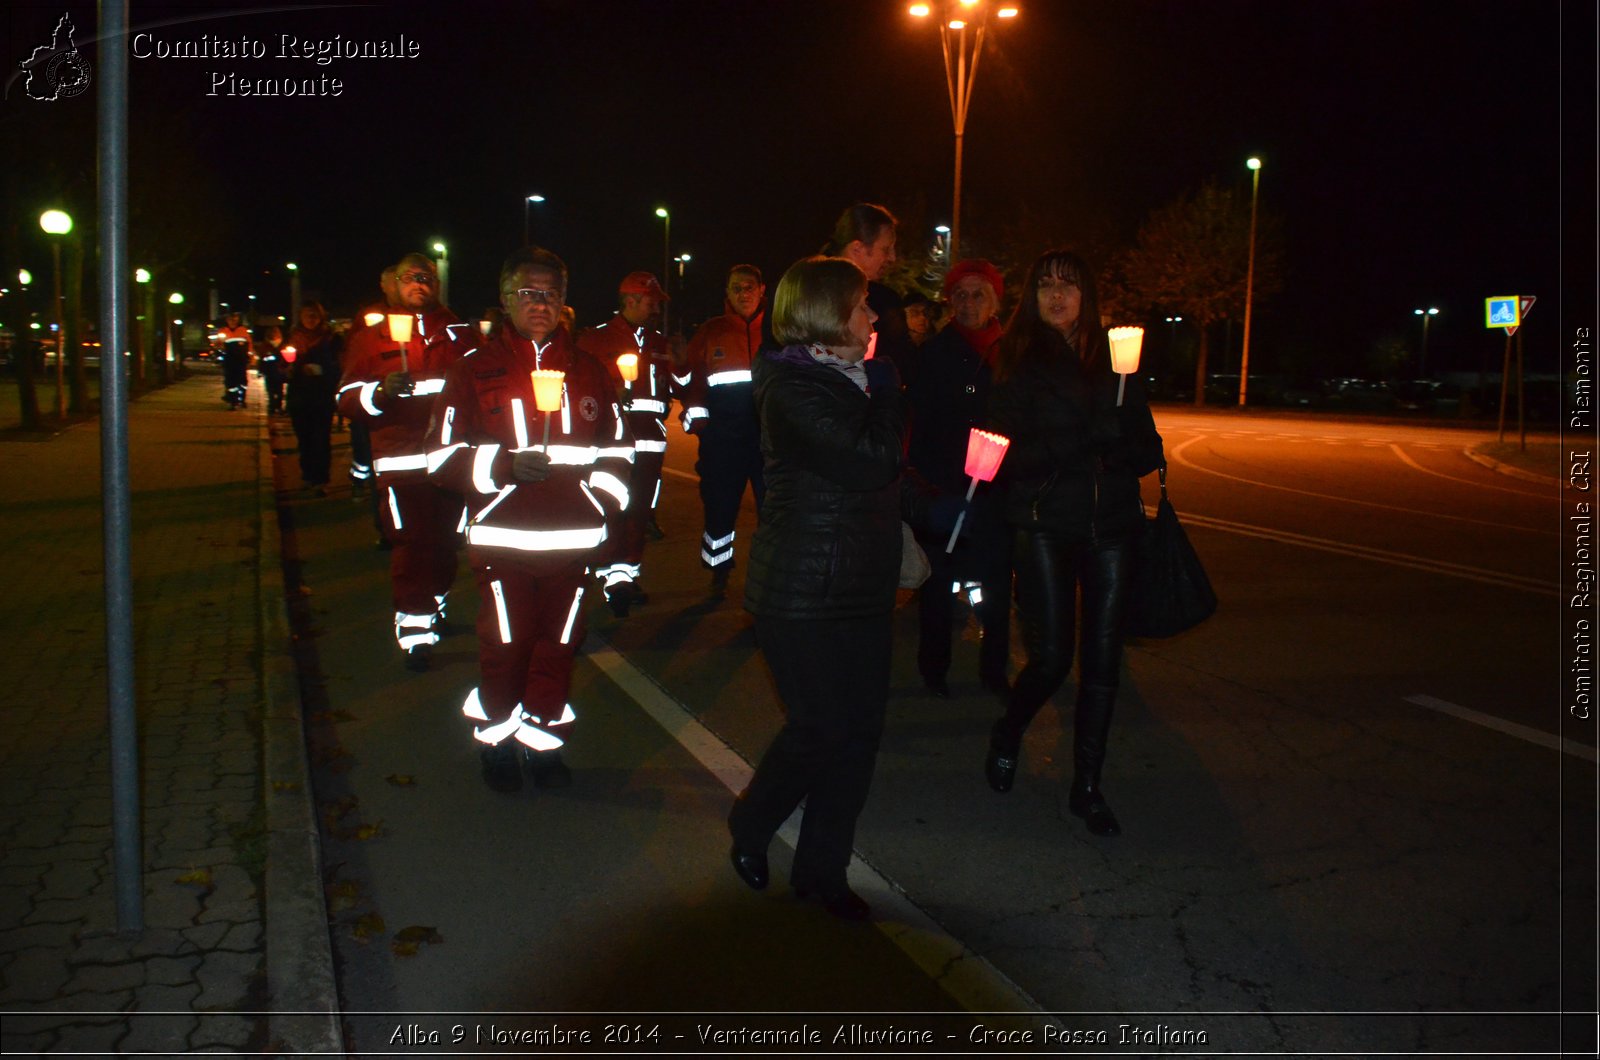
(980, 268)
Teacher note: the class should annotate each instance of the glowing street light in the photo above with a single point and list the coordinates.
(960, 74)
(1426, 315)
(666, 255)
(58, 223)
(294, 290)
(526, 238)
(444, 273)
(24, 277)
(1254, 165)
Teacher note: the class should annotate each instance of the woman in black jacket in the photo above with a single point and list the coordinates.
(1072, 494)
(313, 371)
(824, 567)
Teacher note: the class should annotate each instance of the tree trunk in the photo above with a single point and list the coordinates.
(1200, 365)
(24, 364)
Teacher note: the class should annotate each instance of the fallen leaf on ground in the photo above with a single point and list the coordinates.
(401, 780)
(200, 877)
(345, 894)
(407, 941)
(367, 831)
(285, 785)
(366, 926)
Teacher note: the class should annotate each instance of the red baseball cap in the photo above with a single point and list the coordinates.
(642, 283)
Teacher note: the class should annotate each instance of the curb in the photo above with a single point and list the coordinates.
(1506, 469)
(303, 996)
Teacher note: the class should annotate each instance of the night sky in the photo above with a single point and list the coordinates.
(1413, 149)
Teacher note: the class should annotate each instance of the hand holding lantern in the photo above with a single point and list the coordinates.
(985, 450)
(1125, 343)
(547, 385)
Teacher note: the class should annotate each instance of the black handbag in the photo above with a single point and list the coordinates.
(1170, 592)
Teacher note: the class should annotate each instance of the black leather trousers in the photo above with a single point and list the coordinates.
(1052, 572)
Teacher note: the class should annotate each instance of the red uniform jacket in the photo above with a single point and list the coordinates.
(400, 429)
(486, 414)
(722, 353)
(645, 402)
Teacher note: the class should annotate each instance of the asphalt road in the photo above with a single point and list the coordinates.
(1341, 797)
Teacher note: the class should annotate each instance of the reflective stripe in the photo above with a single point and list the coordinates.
(587, 492)
(572, 615)
(605, 480)
(473, 707)
(449, 424)
(616, 415)
(646, 445)
(519, 423)
(566, 411)
(682, 380)
(647, 405)
(414, 631)
(394, 509)
(483, 468)
(534, 540)
(624, 452)
(618, 572)
(716, 559)
(493, 734)
(535, 738)
(719, 542)
(461, 524)
(426, 387)
(725, 378)
(487, 508)
(360, 472)
(573, 455)
(694, 412)
(500, 612)
(411, 462)
(568, 716)
(367, 391)
(656, 496)
(439, 599)
(437, 457)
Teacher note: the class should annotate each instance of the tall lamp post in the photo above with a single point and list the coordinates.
(1426, 315)
(666, 256)
(526, 237)
(142, 277)
(961, 57)
(444, 273)
(174, 300)
(294, 293)
(1254, 165)
(58, 223)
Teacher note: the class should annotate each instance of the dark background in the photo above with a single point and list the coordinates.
(1414, 150)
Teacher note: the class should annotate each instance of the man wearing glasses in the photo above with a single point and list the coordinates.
(547, 492)
(719, 407)
(645, 401)
(392, 387)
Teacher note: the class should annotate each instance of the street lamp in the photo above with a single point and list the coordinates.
(146, 320)
(1254, 165)
(960, 74)
(1426, 315)
(58, 223)
(526, 238)
(444, 273)
(294, 290)
(173, 299)
(666, 255)
(941, 243)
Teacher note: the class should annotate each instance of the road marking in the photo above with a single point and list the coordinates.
(1510, 728)
(680, 474)
(1377, 555)
(1401, 453)
(1176, 456)
(967, 977)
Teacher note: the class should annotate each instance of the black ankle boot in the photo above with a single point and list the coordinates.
(1091, 726)
(1000, 764)
(1086, 801)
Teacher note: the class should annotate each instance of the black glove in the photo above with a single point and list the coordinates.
(394, 385)
(530, 465)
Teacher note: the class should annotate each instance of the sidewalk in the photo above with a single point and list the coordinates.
(222, 774)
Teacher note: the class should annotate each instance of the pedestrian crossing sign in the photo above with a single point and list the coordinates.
(1503, 311)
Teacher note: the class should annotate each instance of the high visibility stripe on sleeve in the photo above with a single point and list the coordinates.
(624, 452)
(410, 462)
(731, 376)
(367, 391)
(427, 387)
(605, 480)
(483, 468)
(573, 455)
(692, 413)
(648, 405)
(437, 457)
(519, 423)
(587, 492)
(492, 505)
(647, 445)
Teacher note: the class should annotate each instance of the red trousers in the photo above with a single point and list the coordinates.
(529, 629)
(422, 522)
(643, 483)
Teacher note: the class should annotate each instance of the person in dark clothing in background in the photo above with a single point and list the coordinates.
(1071, 478)
(823, 571)
(311, 362)
(865, 234)
(949, 396)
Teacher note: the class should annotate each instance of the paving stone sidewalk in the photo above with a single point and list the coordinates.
(214, 796)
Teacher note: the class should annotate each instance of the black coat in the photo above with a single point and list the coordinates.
(829, 541)
(948, 396)
(1075, 458)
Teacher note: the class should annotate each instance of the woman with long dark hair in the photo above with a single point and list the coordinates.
(311, 361)
(1072, 495)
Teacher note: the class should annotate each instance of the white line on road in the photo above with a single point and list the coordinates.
(1406, 459)
(1510, 728)
(1177, 457)
(680, 474)
(1377, 555)
(969, 978)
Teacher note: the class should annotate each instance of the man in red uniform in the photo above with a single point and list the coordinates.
(394, 394)
(644, 405)
(545, 492)
(720, 408)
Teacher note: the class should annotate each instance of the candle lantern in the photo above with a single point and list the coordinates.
(985, 450)
(628, 365)
(484, 326)
(400, 332)
(289, 353)
(547, 395)
(1125, 343)
(372, 320)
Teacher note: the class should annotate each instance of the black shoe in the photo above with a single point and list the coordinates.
(1000, 764)
(640, 597)
(652, 531)
(500, 767)
(841, 901)
(549, 771)
(621, 597)
(443, 627)
(752, 868)
(418, 659)
(719, 581)
(936, 684)
(1088, 802)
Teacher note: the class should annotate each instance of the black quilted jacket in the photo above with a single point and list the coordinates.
(829, 541)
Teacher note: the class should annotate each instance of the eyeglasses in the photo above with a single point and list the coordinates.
(426, 279)
(546, 296)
